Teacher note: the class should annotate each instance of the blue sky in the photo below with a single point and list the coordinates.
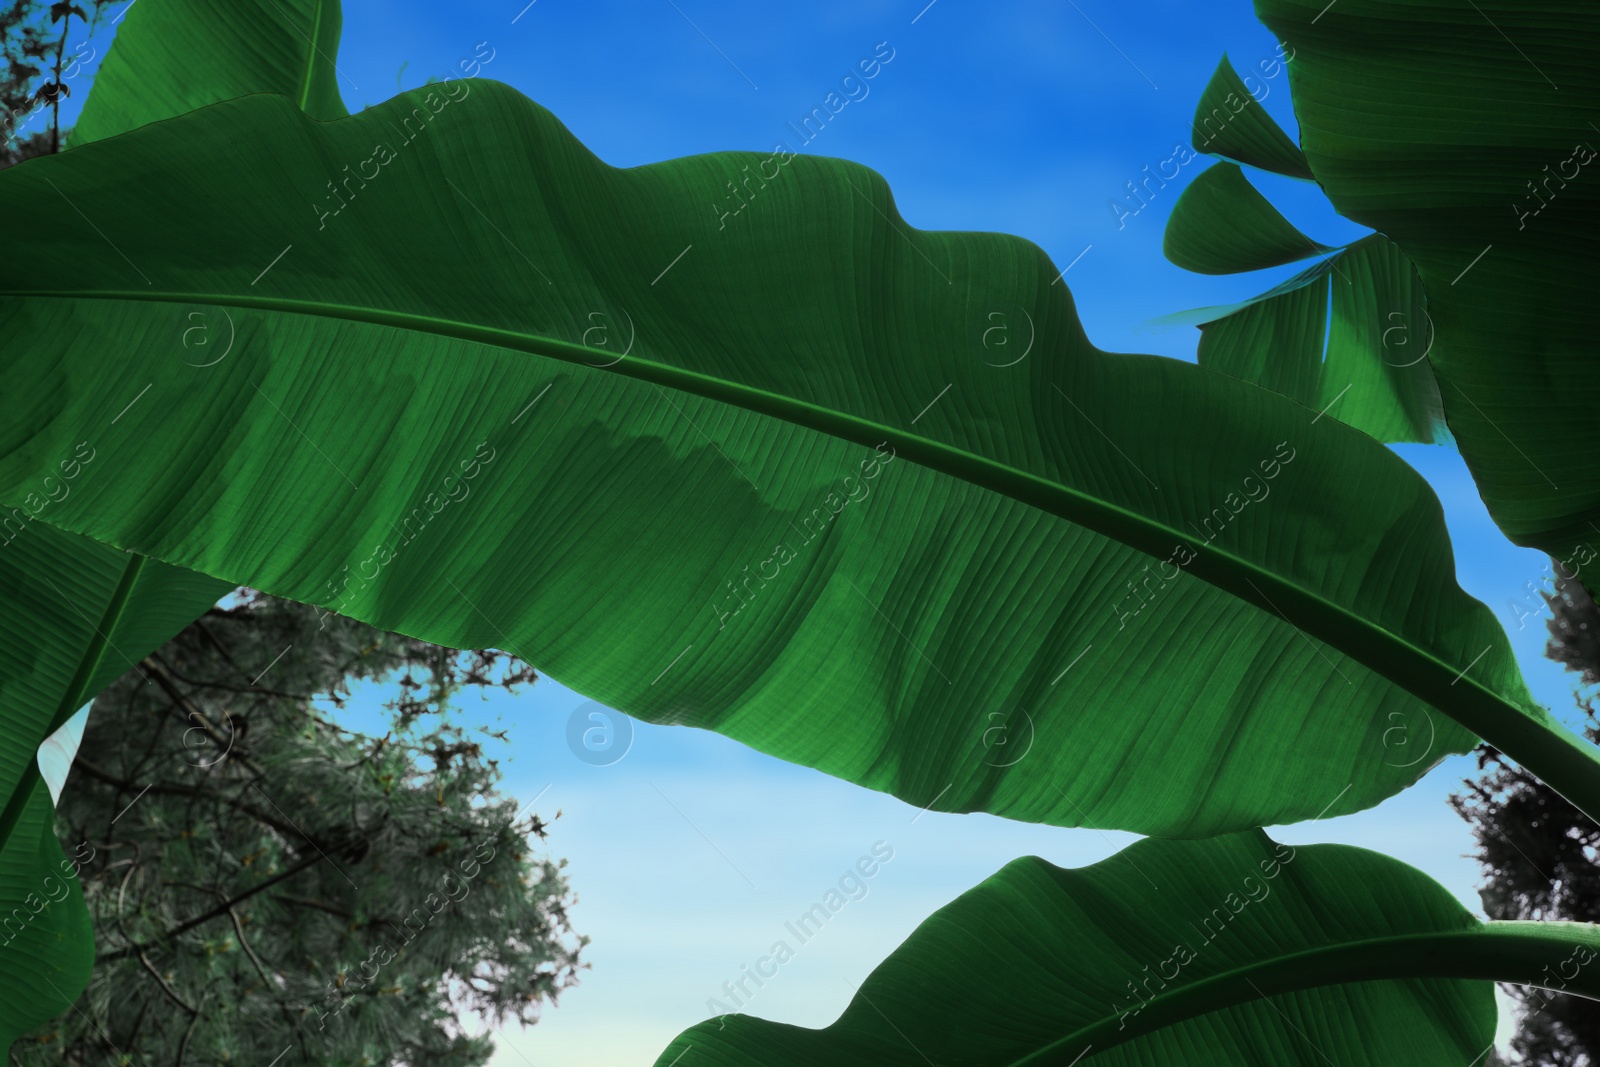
(691, 852)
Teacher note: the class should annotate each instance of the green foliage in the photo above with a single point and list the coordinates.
(1348, 337)
(834, 568)
(1230, 122)
(263, 878)
(171, 58)
(758, 478)
(76, 613)
(1540, 855)
(71, 602)
(46, 941)
(1222, 225)
(1462, 132)
(1234, 950)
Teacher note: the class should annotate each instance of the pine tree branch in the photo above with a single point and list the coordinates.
(244, 943)
(244, 690)
(174, 789)
(183, 1046)
(205, 631)
(163, 677)
(219, 910)
(319, 905)
(171, 993)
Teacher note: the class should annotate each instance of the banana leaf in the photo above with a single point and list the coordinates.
(1236, 950)
(1464, 134)
(743, 468)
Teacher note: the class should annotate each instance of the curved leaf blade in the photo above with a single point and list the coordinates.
(1351, 342)
(1312, 275)
(1231, 950)
(853, 585)
(173, 56)
(1463, 133)
(1222, 225)
(1276, 342)
(78, 614)
(46, 939)
(1230, 122)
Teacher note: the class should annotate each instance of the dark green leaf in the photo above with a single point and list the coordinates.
(1465, 133)
(1367, 368)
(1222, 225)
(1230, 122)
(78, 614)
(1228, 951)
(173, 56)
(46, 942)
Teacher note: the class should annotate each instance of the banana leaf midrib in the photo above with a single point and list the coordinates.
(312, 52)
(1483, 953)
(1529, 736)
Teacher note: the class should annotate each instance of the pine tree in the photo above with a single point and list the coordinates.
(264, 880)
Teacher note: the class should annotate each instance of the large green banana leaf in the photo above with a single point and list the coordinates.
(173, 56)
(1465, 133)
(1233, 951)
(751, 472)
(77, 615)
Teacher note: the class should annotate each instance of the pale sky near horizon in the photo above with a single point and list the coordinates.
(691, 853)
